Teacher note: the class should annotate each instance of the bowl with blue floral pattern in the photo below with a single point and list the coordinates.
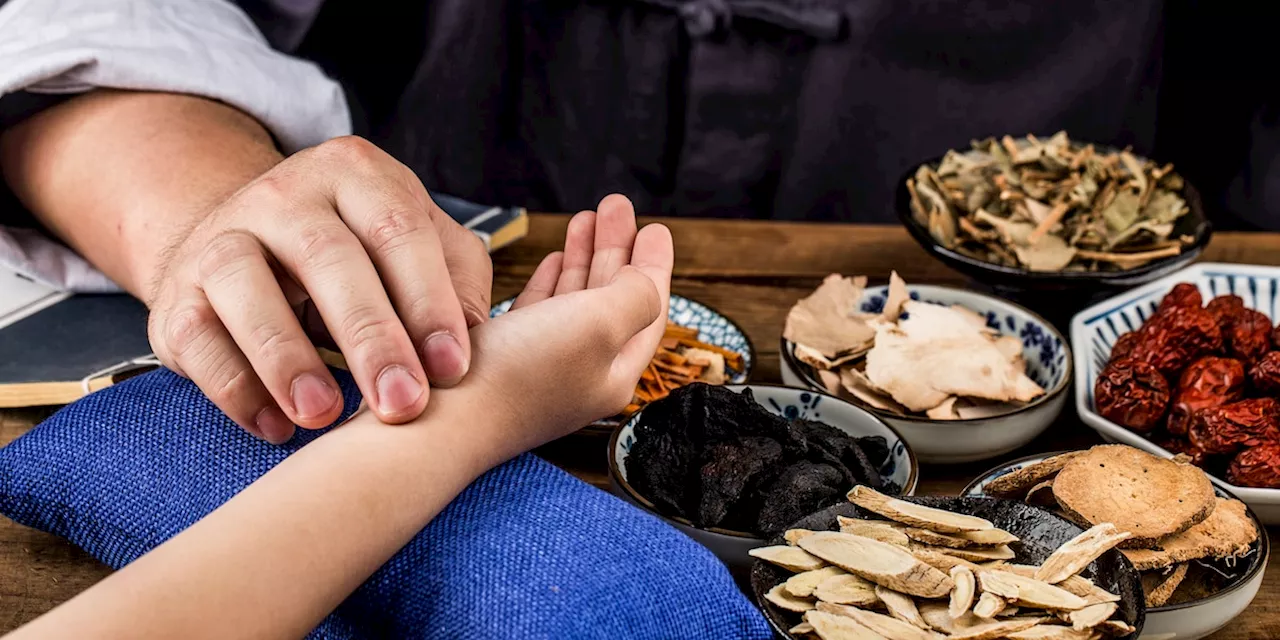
(899, 467)
(713, 328)
(1044, 349)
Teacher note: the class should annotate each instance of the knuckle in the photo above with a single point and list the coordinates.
(275, 342)
(227, 253)
(348, 150)
(393, 228)
(318, 242)
(363, 329)
(273, 190)
(187, 330)
(228, 385)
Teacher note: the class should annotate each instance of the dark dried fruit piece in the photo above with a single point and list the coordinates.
(1132, 394)
(1211, 381)
(1227, 429)
(1182, 295)
(1225, 307)
(1257, 467)
(1249, 336)
(1124, 345)
(1173, 340)
(1265, 374)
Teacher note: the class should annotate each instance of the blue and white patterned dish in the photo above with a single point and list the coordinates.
(713, 328)
(1048, 360)
(1186, 620)
(732, 546)
(1094, 332)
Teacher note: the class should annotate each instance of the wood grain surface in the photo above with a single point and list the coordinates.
(752, 271)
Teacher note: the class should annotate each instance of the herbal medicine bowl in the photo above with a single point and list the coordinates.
(1049, 363)
(731, 546)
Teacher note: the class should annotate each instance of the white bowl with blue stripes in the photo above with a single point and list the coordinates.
(1094, 332)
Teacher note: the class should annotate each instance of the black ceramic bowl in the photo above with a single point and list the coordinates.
(1016, 279)
(1040, 533)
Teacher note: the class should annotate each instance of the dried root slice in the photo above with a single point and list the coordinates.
(792, 536)
(993, 630)
(884, 564)
(832, 626)
(965, 540)
(1052, 632)
(880, 623)
(1029, 592)
(1015, 485)
(978, 554)
(801, 585)
(1163, 587)
(788, 557)
(1078, 552)
(1090, 616)
(988, 537)
(1115, 628)
(1226, 533)
(804, 628)
(783, 600)
(942, 561)
(847, 589)
(990, 605)
(901, 606)
(1008, 612)
(962, 593)
(1076, 585)
(882, 531)
(915, 515)
(1041, 495)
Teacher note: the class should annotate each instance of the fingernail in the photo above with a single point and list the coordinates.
(398, 390)
(312, 396)
(444, 360)
(274, 426)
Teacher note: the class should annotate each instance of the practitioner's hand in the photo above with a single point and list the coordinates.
(577, 339)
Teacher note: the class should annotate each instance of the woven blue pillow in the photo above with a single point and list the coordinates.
(527, 551)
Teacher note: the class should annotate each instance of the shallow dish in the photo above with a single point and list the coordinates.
(1094, 332)
(1195, 224)
(953, 441)
(713, 328)
(1040, 532)
(1186, 620)
(732, 546)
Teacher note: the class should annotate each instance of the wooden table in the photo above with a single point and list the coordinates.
(753, 271)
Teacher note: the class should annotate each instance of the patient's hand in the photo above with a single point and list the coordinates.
(581, 333)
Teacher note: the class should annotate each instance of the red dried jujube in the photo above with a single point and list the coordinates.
(1182, 295)
(1124, 345)
(1211, 381)
(1132, 394)
(1257, 467)
(1225, 307)
(1173, 340)
(1228, 428)
(1265, 374)
(1249, 336)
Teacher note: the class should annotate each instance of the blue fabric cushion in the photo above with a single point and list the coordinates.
(527, 551)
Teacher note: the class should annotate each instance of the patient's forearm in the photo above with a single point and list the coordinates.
(282, 554)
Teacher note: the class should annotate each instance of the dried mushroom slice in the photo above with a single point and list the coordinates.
(1016, 483)
(830, 626)
(886, 626)
(901, 606)
(1090, 616)
(962, 593)
(801, 585)
(994, 630)
(1077, 553)
(990, 605)
(884, 564)
(915, 515)
(847, 589)
(794, 535)
(1029, 592)
(882, 531)
(1160, 588)
(788, 557)
(783, 600)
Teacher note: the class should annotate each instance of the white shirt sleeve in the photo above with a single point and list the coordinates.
(208, 48)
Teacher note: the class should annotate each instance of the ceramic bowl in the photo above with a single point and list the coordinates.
(1194, 224)
(954, 441)
(1187, 620)
(732, 546)
(1039, 531)
(713, 328)
(1094, 332)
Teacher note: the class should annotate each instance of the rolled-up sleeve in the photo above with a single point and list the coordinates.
(209, 48)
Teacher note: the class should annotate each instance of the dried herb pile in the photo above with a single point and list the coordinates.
(1051, 205)
(719, 459)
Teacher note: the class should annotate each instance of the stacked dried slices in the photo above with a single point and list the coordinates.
(929, 574)
(1166, 507)
(912, 358)
(682, 359)
(1051, 205)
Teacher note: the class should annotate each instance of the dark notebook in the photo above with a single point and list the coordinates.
(56, 348)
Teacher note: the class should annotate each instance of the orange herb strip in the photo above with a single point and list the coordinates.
(671, 369)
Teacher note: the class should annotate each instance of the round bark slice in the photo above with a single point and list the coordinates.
(1141, 494)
